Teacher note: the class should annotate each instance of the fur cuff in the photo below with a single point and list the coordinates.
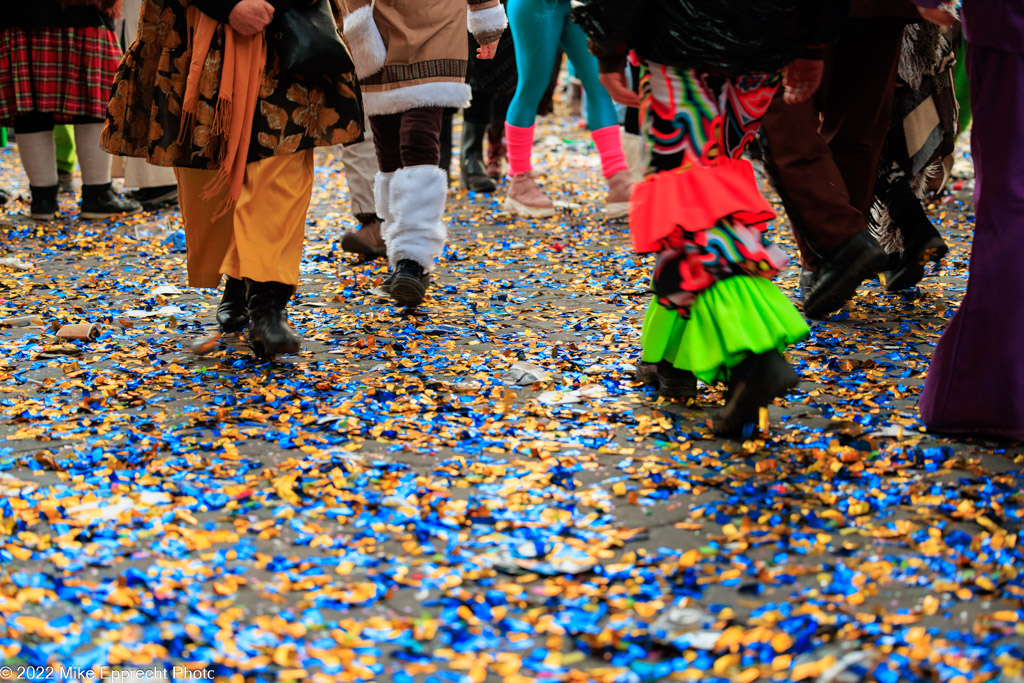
(486, 25)
(364, 39)
(440, 94)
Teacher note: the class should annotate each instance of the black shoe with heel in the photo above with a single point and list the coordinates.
(837, 279)
(922, 243)
(233, 310)
(269, 331)
(753, 384)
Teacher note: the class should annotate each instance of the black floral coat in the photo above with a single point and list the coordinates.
(144, 116)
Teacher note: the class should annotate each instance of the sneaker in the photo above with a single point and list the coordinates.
(100, 201)
(155, 197)
(44, 202)
(409, 284)
(525, 198)
(620, 187)
(366, 241)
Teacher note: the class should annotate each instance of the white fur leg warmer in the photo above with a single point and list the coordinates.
(418, 196)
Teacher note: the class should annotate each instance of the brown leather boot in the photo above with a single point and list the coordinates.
(495, 152)
(366, 241)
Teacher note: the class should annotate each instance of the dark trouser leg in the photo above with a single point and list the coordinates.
(445, 141)
(809, 181)
(422, 136)
(858, 105)
(387, 141)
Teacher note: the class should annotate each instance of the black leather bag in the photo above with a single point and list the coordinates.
(308, 41)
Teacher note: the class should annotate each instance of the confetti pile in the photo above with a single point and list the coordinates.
(481, 491)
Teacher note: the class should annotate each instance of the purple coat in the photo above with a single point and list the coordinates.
(975, 384)
(997, 24)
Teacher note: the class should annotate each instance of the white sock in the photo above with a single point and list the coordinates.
(39, 157)
(94, 161)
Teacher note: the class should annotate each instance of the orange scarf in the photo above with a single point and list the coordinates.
(240, 77)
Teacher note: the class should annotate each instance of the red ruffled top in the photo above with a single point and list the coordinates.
(694, 199)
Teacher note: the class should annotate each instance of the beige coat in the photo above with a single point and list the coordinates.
(413, 53)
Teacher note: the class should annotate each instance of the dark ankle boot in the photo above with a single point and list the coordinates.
(495, 152)
(233, 310)
(367, 240)
(753, 384)
(675, 383)
(409, 284)
(474, 173)
(44, 202)
(922, 243)
(100, 201)
(269, 331)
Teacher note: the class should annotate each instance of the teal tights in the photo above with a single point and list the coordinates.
(538, 28)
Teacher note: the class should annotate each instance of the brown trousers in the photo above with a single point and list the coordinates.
(261, 237)
(823, 154)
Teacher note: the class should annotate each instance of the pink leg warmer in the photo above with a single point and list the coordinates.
(609, 146)
(519, 147)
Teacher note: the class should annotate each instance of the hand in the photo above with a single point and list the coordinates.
(802, 79)
(940, 16)
(615, 83)
(249, 17)
(487, 51)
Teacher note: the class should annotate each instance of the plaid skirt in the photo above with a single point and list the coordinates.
(68, 72)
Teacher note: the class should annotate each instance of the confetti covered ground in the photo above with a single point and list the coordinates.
(481, 492)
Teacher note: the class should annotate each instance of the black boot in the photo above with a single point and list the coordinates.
(44, 202)
(233, 310)
(859, 258)
(269, 331)
(647, 373)
(753, 384)
(409, 284)
(675, 383)
(495, 152)
(446, 143)
(922, 243)
(100, 201)
(474, 173)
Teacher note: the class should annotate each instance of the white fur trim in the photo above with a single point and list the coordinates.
(487, 20)
(382, 202)
(365, 42)
(418, 196)
(438, 94)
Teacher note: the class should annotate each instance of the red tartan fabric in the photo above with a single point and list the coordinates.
(64, 71)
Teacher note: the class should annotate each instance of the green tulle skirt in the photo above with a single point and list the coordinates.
(735, 318)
